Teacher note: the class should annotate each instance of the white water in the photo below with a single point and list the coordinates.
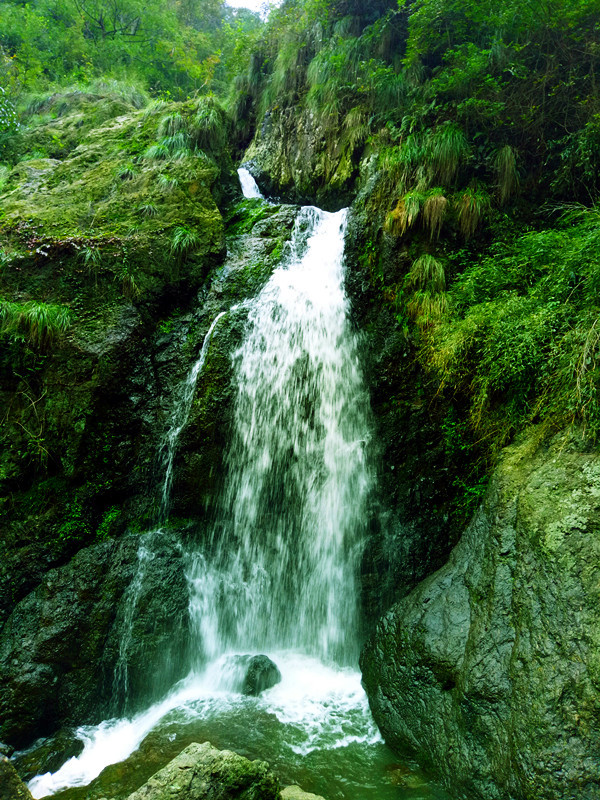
(249, 186)
(285, 550)
(179, 417)
(279, 574)
(321, 707)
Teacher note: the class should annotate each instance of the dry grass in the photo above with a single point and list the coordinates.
(435, 209)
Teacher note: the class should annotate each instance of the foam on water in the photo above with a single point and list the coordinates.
(318, 706)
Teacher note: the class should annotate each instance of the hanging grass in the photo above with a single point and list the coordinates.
(167, 184)
(183, 240)
(471, 205)
(507, 176)
(405, 214)
(435, 209)
(39, 324)
(171, 124)
(157, 152)
(426, 273)
(209, 127)
(446, 149)
(426, 308)
(147, 209)
(356, 126)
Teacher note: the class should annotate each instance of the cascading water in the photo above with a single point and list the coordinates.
(278, 572)
(249, 186)
(179, 416)
(286, 546)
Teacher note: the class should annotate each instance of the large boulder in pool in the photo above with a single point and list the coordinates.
(201, 772)
(261, 674)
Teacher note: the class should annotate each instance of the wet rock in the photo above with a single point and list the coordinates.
(60, 646)
(261, 674)
(6, 750)
(11, 786)
(289, 157)
(201, 771)
(295, 793)
(490, 669)
(49, 755)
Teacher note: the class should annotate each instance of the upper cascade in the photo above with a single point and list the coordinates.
(249, 186)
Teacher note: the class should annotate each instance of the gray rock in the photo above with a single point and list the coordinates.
(201, 771)
(11, 786)
(60, 646)
(295, 793)
(490, 669)
(261, 674)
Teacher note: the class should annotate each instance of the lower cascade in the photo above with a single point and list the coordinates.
(276, 577)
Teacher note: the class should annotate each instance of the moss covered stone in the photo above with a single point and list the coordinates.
(489, 669)
(200, 771)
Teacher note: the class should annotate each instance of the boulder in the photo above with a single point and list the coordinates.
(201, 771)
(295, 793)
(11, 786)
(261, 674)
(489, 671)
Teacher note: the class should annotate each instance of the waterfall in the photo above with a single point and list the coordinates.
(249, 186)
(277, 572)
(281, 569)
(179, 416)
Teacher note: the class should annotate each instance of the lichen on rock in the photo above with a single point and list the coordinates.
(489, 669)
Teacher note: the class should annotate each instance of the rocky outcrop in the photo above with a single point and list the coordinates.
(295, 155)
(261, 674)
(11, 786)
(489, 670)
(200, 772)
(61, 646)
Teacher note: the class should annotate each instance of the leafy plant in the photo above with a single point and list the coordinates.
(40, 324)
(183, 240)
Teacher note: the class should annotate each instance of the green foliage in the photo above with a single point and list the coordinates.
(209, 128)
(108, 523)
(39, 324)
(74, 526)
(183, 240)
(9, 121)
(471, 205)
(520, 337)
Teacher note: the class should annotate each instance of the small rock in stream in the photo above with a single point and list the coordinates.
(262, 674)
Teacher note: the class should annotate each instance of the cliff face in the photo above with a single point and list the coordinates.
(133, 249)
(488, 670)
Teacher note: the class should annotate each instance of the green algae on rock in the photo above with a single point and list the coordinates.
(489, 669)
(201, 771)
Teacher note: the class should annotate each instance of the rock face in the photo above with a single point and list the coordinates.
(293, 156)
(61, 645)
(261, 674)
(490, 669)
(200, 771)
(11, 786)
